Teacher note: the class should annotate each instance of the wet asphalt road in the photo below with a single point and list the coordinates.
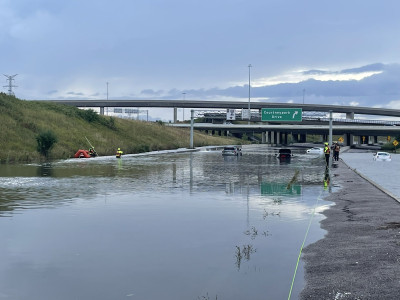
(381, 173)
(359, 257)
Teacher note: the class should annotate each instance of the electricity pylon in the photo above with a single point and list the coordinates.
(10, 78)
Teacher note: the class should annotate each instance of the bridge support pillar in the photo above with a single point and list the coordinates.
(278, 138)
(102, 110)
(295, 137)
(263, 137)
(375, 139)
(272, 138)
(284, 138)
(350, 115)
(303, 138)
(175, 114)
(349, 140)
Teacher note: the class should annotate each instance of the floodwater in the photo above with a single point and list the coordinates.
(168, 226)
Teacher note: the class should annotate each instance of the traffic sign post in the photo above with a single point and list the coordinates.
(395, 143)
(230, 114)
(281, 114)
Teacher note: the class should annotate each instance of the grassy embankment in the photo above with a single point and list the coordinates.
(22, 121)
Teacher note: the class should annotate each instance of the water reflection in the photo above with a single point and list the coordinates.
(44, 170)
(188, 224)
(274, 188)
(327, 178)
(243, 252)
(231, 158)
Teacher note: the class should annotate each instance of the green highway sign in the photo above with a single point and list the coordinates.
(281, 114)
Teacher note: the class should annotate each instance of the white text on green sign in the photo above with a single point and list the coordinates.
(281, 114)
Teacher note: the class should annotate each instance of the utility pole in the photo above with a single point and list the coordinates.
(107, 91)
(107, 98)
(183, 108)
(191, 128)
(10, 78)
(249, 95)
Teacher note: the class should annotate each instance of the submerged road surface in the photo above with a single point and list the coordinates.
(359, 257)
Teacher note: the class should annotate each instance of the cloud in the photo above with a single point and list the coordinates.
(316, 72)
(151, 92)
(374, 68)
(381, 87)
(75, 94)
(34, 28)
(378, 67)
(393, 104)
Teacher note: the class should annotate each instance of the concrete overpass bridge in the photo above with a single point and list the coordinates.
(271, 133)
(199, 104)
(276, 134)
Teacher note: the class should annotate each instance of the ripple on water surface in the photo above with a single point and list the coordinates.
(169, 226)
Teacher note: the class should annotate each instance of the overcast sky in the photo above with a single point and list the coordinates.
(332, 52)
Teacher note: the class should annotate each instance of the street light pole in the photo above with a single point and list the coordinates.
(107, 98)
(107, 91)
(249, 95)
(304, 91)
(191, 128)
(183, 109)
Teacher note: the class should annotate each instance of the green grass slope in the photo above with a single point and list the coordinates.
(22, 121)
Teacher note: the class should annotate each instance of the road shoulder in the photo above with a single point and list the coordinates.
(359, 256)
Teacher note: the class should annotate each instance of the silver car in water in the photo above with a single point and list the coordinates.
(232, 151)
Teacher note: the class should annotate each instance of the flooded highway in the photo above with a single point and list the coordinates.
(192, 225)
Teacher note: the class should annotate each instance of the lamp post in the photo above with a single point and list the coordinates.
(183, 109)
(304, 92)
(107, 98)
(249, 95)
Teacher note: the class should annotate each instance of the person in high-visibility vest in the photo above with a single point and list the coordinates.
(119, 153)
(327, 152)
(92, 152)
